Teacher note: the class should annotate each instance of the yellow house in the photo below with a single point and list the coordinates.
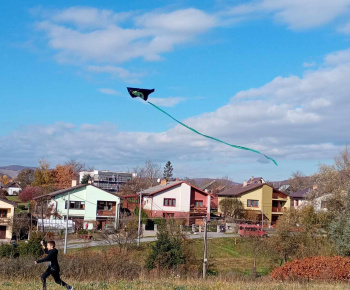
(260, 197)
(7, 211)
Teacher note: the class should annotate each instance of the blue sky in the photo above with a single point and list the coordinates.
(269, 75)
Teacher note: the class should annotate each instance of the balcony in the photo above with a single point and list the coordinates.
(276, 195)
(278, 209)
(198, 210)
(105, 213)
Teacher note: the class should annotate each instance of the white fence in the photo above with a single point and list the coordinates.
(56, 226)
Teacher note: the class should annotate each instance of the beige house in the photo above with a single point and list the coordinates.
(259, 197)
(7, 211)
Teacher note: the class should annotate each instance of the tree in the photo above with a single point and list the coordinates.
(145, 177)
(167, 252)
(30, 192)
(25, 177)
(5, 179)
(21, 225)
(340, 229)
(232, 207)
(64, 174)
(44, 177)
(85, 179)
(299, 181)
(168, 171)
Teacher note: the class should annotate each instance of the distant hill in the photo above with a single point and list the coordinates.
(13, 170)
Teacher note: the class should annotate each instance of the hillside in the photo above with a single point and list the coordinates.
(12, 170)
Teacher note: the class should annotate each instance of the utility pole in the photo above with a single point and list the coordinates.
(42, 217)
(205, 260)
(66, 235)
(139, 227)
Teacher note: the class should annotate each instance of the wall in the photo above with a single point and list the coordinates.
(181, 193)
(10, 212)
(90, 195)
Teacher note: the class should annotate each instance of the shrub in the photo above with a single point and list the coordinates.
(315, 268)
(82, 232)
(7, 251)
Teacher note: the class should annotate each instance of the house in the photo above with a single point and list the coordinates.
(298, 197)
(7, 211)
(107, 180)
(176, 199)
(258, 196)
(13, 188)
(87, 204)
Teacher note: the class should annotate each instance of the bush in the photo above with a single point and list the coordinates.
(315, 268)
(7, 251)
(82, 232)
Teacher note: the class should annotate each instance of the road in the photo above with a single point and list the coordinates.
(211, 235)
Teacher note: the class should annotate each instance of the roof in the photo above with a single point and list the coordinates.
(159, 188)
(300, 193)
(65, 190)
(12, 184)
(238, 190)
(8, 201)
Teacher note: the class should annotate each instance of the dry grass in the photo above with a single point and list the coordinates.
(178, 284)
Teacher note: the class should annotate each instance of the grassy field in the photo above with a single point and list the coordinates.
(179, 285)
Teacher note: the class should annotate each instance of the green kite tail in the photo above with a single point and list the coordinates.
(195, 131)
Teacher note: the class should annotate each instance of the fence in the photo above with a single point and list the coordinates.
(56, 226)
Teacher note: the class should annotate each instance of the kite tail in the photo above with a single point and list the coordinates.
(218, 140)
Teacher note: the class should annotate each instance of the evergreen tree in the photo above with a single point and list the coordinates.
(167, 252)
(85, 179)
(168, 171)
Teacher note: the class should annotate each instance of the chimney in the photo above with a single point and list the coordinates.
(89, 181)
(74, 183)
(314, 187)
(163, 182)
(177, 179)
(244, 183)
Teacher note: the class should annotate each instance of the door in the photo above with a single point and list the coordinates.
(2, 232)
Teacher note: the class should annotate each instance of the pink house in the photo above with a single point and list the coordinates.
(177, 199)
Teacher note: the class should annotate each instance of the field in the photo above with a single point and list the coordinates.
(169, 284)
(88, 268)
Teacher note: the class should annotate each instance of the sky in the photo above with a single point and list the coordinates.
(269, 75)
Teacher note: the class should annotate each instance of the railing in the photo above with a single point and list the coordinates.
(278, 209)
(5, 220)
(106, 213)
(195, 209)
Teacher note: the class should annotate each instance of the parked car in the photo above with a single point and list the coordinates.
(246, 230)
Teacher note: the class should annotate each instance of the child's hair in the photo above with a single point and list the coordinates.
(52, 243)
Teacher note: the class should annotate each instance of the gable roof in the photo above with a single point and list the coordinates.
(301, 193)
(8, 201)
(12, 184)
(65, 190)
(159, 188)
(239, 190)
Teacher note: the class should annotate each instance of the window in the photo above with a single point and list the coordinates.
(252, 203)
(169, 202)
(105, 205)
(3, 213)
(198, 203)
(75, 205)
(168, 215)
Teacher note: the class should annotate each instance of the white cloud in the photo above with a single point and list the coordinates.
(167, 102)
(309, 64)
(109, 91)
(345, 28)
(297, 14)
(107, 41)
(116, 72)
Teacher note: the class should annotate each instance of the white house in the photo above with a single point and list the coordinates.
(13, 188)
(87, 204)
(177, 199)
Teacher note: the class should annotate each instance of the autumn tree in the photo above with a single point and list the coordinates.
(30, 192)
(168, 171)
(63, 175)
(43, 176)
(299, 181)
(25, 177)
(5, 179)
